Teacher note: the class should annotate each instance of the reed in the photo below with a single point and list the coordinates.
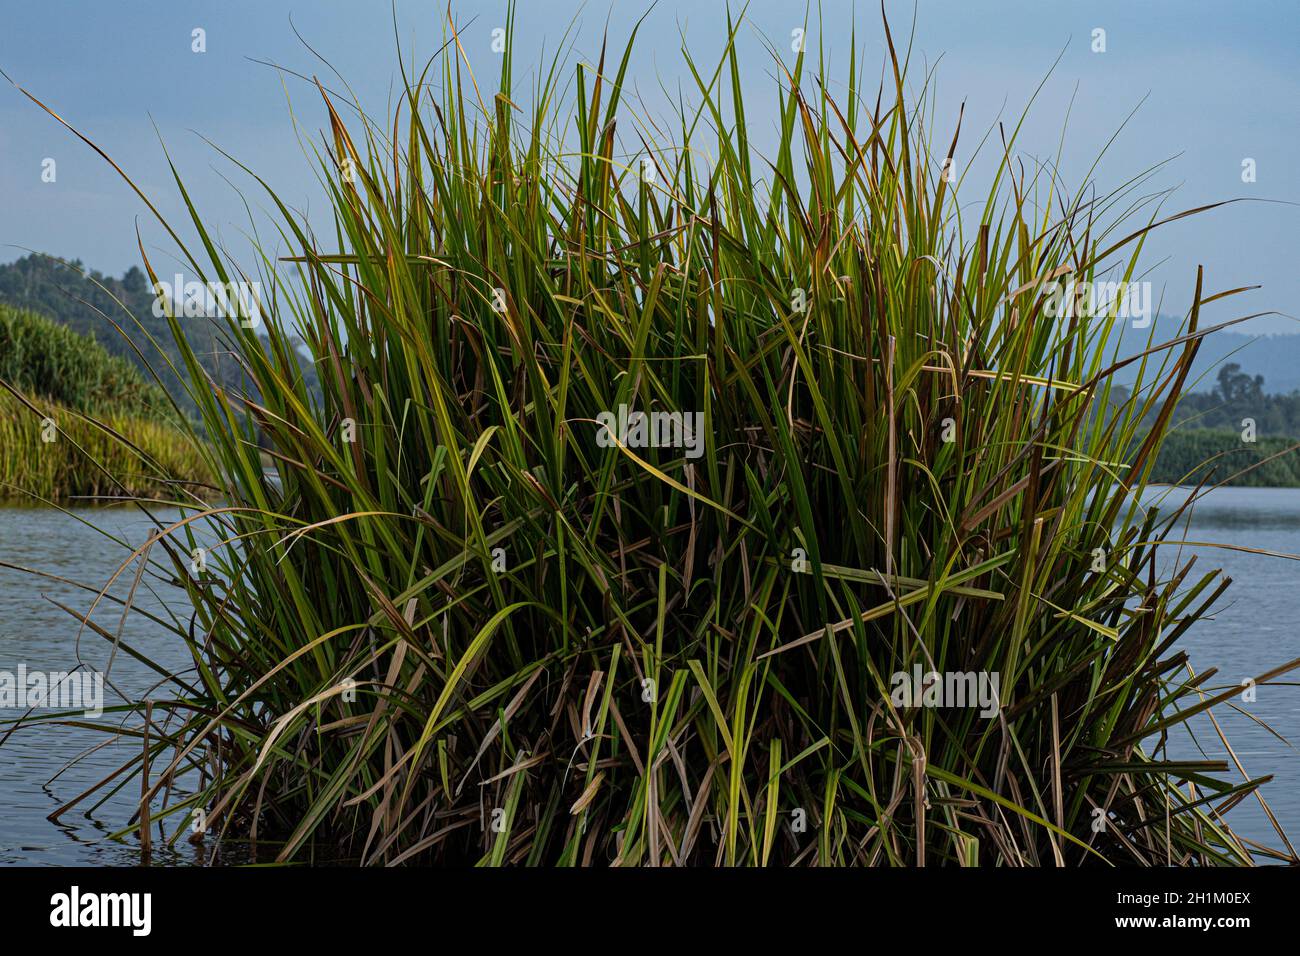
(458, 623)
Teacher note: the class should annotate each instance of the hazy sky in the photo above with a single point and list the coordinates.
(1221, 83)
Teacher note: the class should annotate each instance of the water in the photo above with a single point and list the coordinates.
(1253, 630)
(34, 777)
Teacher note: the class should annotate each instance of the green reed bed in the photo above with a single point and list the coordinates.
(78, 422)
(458, 624)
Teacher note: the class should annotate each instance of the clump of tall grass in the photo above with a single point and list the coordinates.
(457, 624)
(78, 422)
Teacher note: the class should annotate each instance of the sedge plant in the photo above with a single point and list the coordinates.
(457, 619)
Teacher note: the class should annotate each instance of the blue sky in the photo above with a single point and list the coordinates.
(1221, 83)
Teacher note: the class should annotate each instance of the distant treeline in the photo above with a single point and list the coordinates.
(1208, 436)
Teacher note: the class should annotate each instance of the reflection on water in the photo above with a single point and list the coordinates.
(1253, 630)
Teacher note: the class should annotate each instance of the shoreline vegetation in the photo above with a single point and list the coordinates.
(1193, 456)
(1235, 434)
(456, 627)
(76, 422)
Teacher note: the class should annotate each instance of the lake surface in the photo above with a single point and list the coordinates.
(35, 779)
(1254, 629)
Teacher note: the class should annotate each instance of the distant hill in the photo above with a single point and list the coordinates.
(85, 304)
(1275, 357)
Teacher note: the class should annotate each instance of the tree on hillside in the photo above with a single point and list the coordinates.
(1236, 386)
